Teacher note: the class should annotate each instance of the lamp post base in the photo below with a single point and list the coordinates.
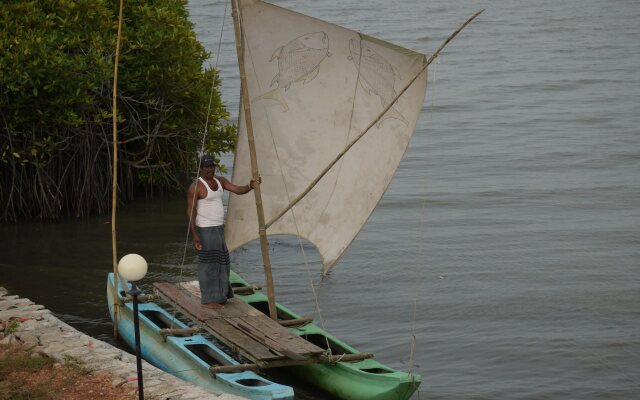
(135, 292)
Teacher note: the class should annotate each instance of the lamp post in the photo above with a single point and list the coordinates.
(133, 267)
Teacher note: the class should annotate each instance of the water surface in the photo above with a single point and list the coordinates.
(512, 225)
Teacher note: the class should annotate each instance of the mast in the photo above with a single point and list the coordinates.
(262, 230)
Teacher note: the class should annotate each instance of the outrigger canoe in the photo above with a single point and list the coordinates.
(188, 357)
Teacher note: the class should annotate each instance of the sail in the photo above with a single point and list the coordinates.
(318, 90)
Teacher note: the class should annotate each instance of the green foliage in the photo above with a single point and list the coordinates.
(56, 88)
(12, 327)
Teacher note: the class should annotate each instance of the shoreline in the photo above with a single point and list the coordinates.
(44, 333)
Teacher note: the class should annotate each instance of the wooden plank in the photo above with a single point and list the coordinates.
(273, 331)
(240, 342)
(266, 340)
(285, 341)
(191, 303)
(194, 287)
(188, 303)
(276, 330)
(215, 324)
(233, 307)
(243, 328)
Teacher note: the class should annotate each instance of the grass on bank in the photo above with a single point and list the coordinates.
(27, 375)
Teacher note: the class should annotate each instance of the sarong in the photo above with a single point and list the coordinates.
(213, 266)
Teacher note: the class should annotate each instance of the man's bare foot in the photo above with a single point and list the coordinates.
(213, 306)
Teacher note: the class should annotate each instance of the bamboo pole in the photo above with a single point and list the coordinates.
(323, 359)
(264, 245)
(180, 331)
(375, 121)
(114, 177)
(346, 357)
(226, 369)
(295, 322)
(246, 289)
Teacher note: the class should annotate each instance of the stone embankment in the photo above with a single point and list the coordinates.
(39, 329)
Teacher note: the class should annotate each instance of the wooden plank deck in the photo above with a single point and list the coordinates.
(243, 328)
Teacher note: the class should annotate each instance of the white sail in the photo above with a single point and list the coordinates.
(315, 87)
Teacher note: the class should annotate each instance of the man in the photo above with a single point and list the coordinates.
(206, 221)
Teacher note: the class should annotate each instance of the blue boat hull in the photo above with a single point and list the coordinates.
(188, 358)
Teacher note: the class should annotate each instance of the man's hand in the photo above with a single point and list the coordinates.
(196, 242)
(252, 182)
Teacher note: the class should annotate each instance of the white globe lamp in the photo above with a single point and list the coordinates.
(132, 267)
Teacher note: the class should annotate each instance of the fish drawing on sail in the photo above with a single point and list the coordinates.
(376, 76)
(298, 60)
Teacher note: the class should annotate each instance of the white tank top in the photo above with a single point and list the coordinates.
(210, 209)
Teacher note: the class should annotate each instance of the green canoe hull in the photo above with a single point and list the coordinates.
(360, 380)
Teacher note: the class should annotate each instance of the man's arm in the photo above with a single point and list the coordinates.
(235, 188)
(192, 201)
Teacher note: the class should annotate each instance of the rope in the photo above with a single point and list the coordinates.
(421, 240)
(204, 138)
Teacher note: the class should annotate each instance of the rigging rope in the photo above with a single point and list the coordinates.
(202, 143)
(204, 136)
(421, 239)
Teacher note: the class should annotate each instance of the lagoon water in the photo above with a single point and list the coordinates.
(508, 244)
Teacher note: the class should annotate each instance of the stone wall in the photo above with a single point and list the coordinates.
(41, 330)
